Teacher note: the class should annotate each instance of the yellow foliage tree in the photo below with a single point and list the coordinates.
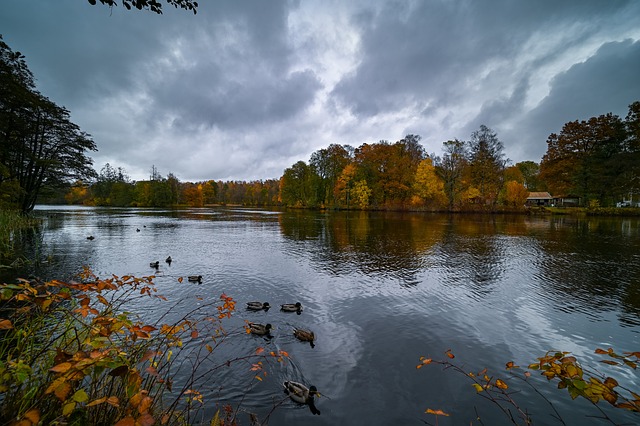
(427, 185)
(515, 194)
(361, 193)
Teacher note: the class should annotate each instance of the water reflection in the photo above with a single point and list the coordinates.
(379, 290)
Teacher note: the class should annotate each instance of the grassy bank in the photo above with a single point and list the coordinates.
(12, 225)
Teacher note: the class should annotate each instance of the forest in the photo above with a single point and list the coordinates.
(595, 160)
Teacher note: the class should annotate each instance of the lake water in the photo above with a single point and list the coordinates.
(379, 290)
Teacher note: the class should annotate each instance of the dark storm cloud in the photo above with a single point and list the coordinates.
(425, 52)
(606, 82)
(244, 89)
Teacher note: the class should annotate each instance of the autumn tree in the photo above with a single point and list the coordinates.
(40, 147)
(487, 163)
(515, 194)
(150, 5)
(428, 187)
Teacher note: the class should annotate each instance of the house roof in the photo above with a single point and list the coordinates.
(539, 196)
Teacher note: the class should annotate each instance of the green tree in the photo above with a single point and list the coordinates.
(530, 172)
(151, 5)
(40, 147)
(586, 158)
(296, 185)
(487, 163)
(328, 164)
(451, 170)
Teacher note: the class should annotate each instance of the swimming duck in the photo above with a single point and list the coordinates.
(258, 306)
(195, 278)
(292, 307)
(259, 329)
(137, 229)
(155, 264)
(90, 237)
(305, 335)
(168, 260)
(301, 394)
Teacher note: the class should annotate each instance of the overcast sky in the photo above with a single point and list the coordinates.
(246, 88)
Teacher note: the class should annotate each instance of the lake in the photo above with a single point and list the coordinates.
(379, 290)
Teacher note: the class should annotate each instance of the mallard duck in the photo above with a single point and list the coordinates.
(304, 335)
(258, 306)
(259, 329)
(155, 264)
(90, 237)
(301, 394)
(168, 259)
(292, 307)
(195, 278)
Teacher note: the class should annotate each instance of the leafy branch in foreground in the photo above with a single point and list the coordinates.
(579, 381)
(70, 354)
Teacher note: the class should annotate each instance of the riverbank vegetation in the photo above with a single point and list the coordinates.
(12, 225)
(71, 353)
(563, 369)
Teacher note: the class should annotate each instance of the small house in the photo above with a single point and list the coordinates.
(539, 199)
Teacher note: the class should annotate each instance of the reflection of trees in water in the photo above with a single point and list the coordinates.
(592, 264)
(474, 250)
(390, 244)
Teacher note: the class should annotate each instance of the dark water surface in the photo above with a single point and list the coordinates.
(380, 290)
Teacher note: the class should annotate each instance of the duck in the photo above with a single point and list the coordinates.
(90, 237)
(292, 307)
(168, 260)
(155, 264)
(195, 278)
(259, 329)
(137, 229)
(305, 335)
(258, 306)
(302, 394)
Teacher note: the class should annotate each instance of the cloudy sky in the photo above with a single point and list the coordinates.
(246, 88)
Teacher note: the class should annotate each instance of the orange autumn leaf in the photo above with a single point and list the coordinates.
(180, 279)
(127, 421)
(5, 324)
(259, 351)
(61, 368)
(436, 412)
(33, 416)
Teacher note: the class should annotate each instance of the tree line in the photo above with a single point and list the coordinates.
(44, 157)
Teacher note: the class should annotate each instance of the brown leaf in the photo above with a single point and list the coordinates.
(5, 324)
(127, 421)
(33, 416)
(62, 391)
(119, 371)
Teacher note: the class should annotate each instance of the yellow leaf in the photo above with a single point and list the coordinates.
(209, 348)
(97, 401)
(68, 408)
(61, 368)
(80, 396)
(478, 387)
(501, 384)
